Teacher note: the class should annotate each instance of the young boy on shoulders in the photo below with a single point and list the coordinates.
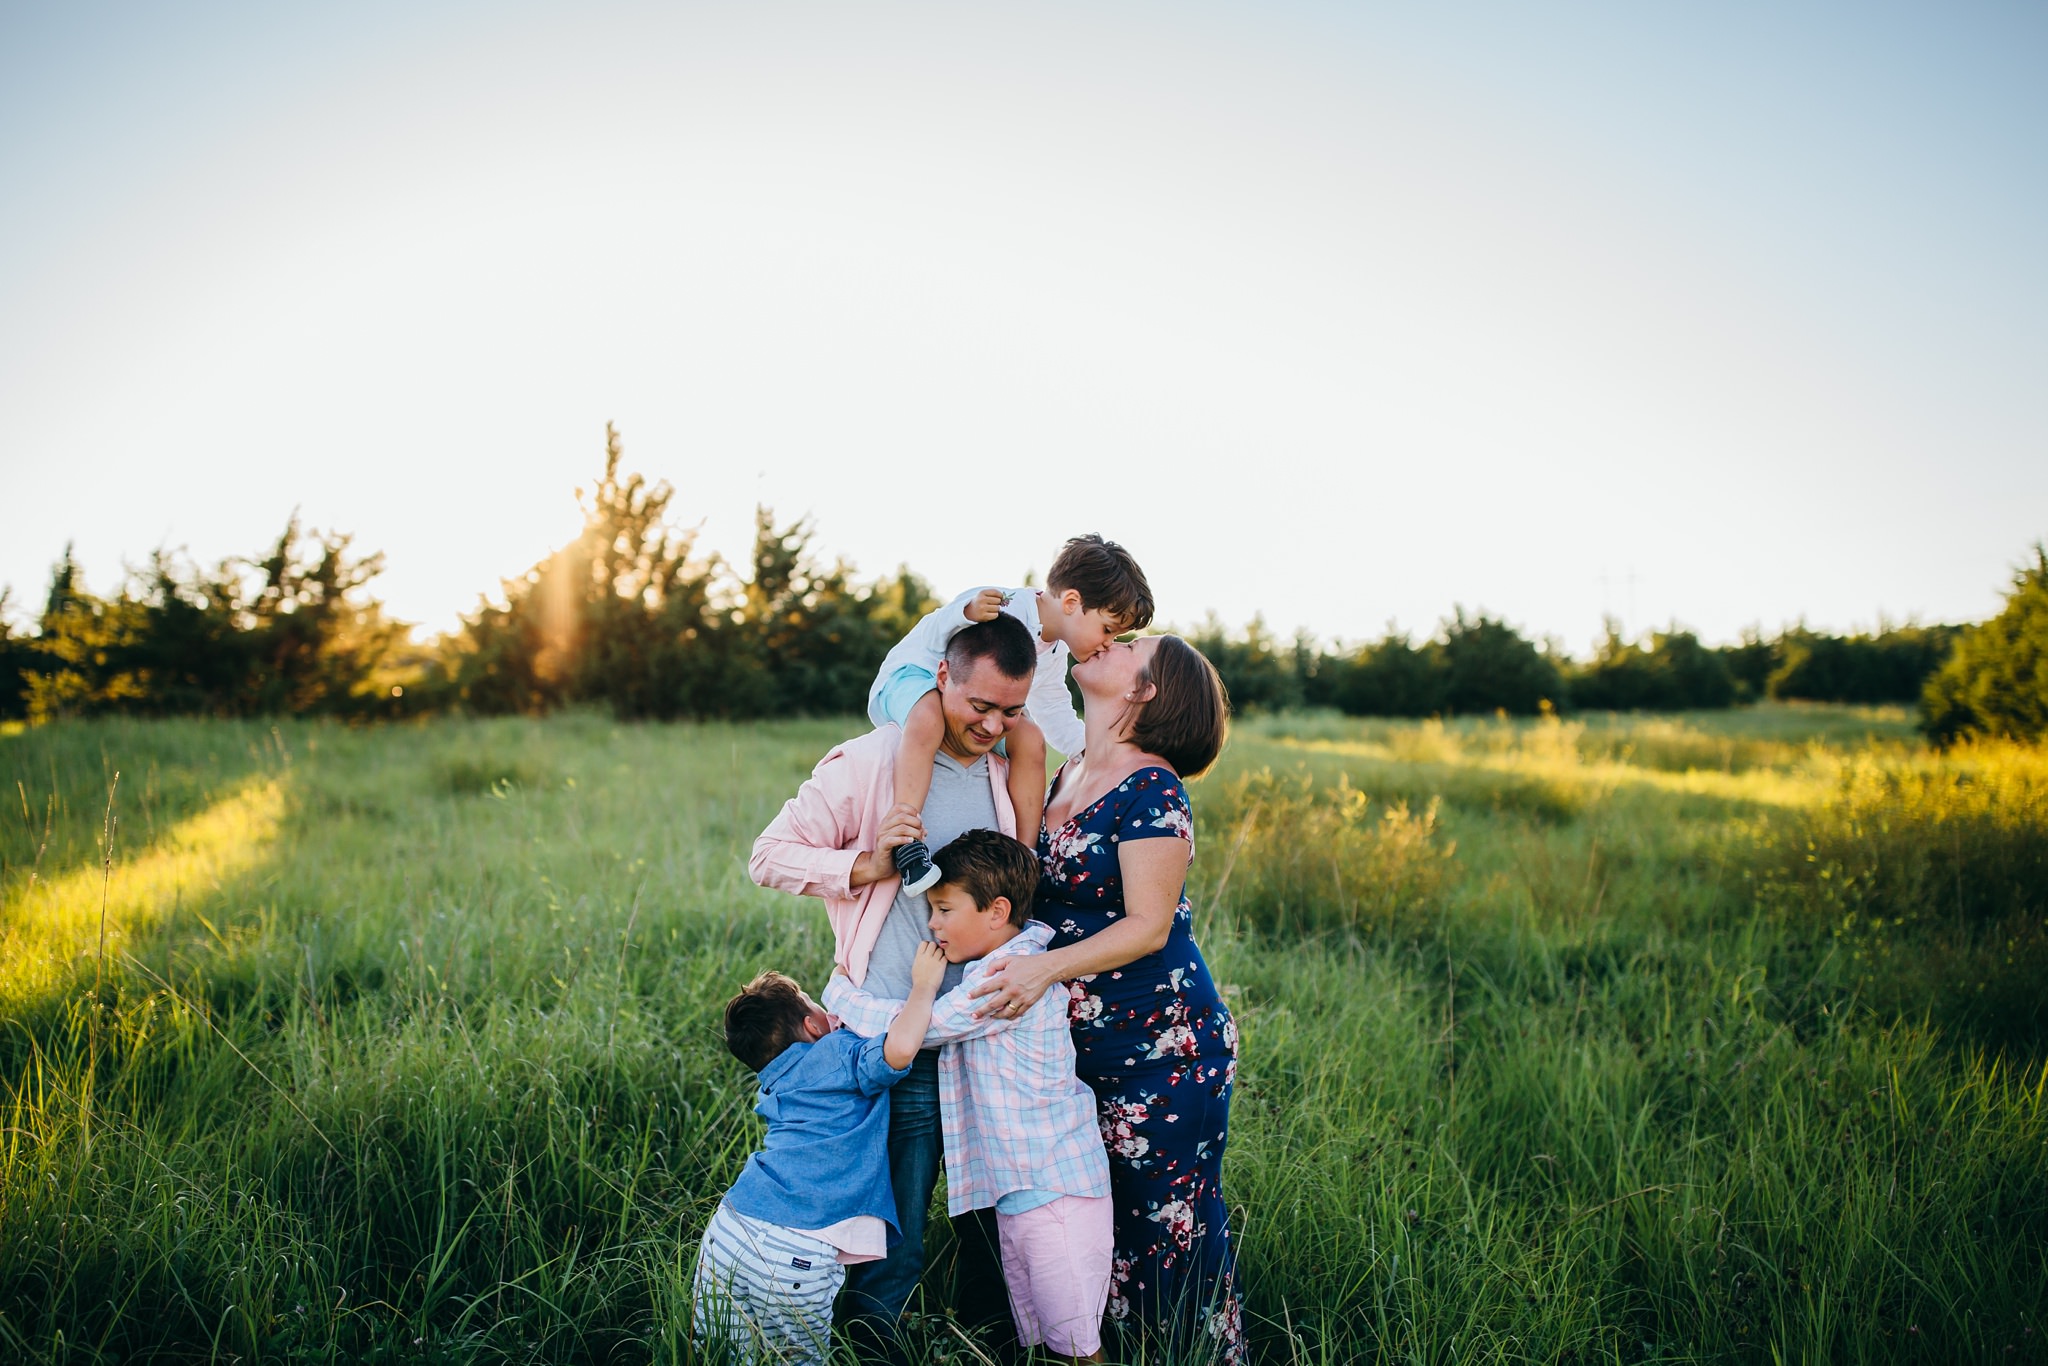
(1094, 593)
(1019, 1127)
(816, 1197)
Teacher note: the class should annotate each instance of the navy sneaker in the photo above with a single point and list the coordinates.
(914, 863)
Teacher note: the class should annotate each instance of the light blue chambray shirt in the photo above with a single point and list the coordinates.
(827, 1153)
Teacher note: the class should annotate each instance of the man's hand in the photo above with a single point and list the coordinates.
(902, 825)
(928, 968)
(986, 605)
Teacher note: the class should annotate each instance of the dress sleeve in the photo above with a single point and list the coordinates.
(1157, 807)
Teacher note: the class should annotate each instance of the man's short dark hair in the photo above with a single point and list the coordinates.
(1005, 642)
(1188, 716)
(987, 864)
(1106, 577)
(766, 1017)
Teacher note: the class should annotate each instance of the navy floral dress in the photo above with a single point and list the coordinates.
(1157, 1045)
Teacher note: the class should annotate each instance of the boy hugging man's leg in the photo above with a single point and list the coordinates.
(1020, 1128)
(817, 1196)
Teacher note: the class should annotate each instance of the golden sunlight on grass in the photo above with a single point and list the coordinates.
(54, 924)
(1552, 753)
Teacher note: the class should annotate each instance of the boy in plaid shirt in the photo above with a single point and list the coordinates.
(1020, 1128)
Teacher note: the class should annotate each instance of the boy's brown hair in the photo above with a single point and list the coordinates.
(987, 864)
(1188, 716)
(1106, 577)
(765, 1018)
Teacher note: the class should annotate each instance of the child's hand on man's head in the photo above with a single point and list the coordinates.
(986, 605)
(928, 968)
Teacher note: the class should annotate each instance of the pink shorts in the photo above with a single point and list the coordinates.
(1056, 1260)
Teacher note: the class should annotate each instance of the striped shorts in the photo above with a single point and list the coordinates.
(765, 1289)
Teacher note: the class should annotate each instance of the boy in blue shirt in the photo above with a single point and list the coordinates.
(816, 1197)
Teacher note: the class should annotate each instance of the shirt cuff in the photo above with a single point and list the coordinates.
(835, 872)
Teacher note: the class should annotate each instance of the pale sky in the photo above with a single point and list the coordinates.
(1342, 313)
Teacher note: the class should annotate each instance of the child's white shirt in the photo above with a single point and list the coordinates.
(1049, 703)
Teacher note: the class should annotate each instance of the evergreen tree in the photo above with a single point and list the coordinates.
(17, 656)
(1996, 682)
(80, 641)
(602, 619)
(628, 617)
(300, 637)
(1258, 673)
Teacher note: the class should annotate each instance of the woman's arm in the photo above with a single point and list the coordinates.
(1153, 872)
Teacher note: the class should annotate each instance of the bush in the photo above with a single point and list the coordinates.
(1750, 664)
(1489, 666)
(1476, 666)
(1891, 666)
(1389, 678)
(1671, 672)
(1258, 673)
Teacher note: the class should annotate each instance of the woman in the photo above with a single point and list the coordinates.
(1151, 1035)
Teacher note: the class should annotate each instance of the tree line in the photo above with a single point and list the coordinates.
(629, 616)
(1475, 663)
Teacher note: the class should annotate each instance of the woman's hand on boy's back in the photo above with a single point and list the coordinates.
(1012, 986)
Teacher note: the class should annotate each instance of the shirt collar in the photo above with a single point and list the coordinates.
(1035, 932)
(786, 1059)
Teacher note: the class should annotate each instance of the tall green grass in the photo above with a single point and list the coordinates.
(1688, 1039)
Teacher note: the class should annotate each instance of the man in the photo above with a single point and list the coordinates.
(834, 840)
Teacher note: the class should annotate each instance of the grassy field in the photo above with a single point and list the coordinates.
(1685, 1039)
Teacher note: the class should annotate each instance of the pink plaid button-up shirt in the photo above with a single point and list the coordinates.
(1014, 1115)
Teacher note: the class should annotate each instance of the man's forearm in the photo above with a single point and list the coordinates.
(801, 869)
(868, 867)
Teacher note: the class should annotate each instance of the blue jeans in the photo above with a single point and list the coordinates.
(877, 1291)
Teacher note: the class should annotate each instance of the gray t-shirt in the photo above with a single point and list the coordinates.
(960, 800)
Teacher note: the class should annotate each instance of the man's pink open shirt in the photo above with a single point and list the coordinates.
(810, 848)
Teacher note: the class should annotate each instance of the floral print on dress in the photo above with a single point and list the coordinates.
(1156, 1043)
(1070, 846)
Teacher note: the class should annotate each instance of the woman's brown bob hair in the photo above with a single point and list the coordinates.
(1188, 715)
